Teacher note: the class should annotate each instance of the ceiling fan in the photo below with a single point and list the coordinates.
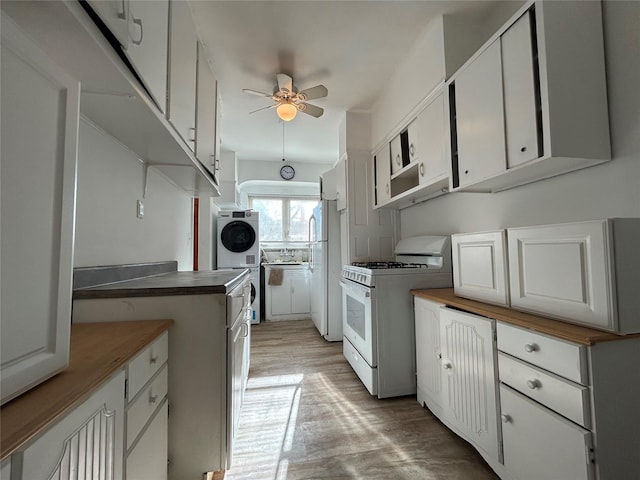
(289, 101)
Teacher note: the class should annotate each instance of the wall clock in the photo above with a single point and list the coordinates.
(287, 172)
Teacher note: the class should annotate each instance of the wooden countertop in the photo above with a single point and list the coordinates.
(97, 351)
(556, 328)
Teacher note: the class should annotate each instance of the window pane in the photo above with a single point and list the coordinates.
(299, 213)
(270, 210)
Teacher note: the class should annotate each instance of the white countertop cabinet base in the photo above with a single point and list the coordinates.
(429, 371)
(292, 299)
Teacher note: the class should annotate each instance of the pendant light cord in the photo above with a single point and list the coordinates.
(283, 141)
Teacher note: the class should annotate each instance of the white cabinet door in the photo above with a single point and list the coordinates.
(280, 298)
(114, 14)
(428, 355)
(341, 184)
(541, 444)
(468, 360)
(148, 460)
(89, 438)
(431, 145)
(563, 271)
(206, 114)
(480, 266)
(40, 115)
(147, 47)
(300, 293)
(182, 72)
(396, 154)
(480, 117)
(519, 93)
(383, 172)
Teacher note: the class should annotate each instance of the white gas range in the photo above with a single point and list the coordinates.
(377, 312)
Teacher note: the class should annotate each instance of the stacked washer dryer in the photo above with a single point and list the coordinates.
(239, 247)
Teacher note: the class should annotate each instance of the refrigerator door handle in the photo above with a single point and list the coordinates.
(312, 219)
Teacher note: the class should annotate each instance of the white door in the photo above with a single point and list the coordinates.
(519, 93)
(147, 47)
(182, 72)
(428, 354)
(469, 365)
(541, 444)
(40, 115)
(480, 118)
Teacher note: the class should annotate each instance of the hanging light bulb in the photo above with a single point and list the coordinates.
(287, 111)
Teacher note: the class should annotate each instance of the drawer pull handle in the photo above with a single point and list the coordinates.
(531, 347)
(153, 399)
(533, 384)
(505, 418)
(447, 365)
(153, 360)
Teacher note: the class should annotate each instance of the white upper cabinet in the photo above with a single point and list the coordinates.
(396, 154)
(532, 103)
(40, 115)
(480, 266)
(207, 115)
(430, 145)
(382, 159)
(480, 118)
(341, 183)
(182, 72)
(148, 28)
(115, 15)
(584, 272)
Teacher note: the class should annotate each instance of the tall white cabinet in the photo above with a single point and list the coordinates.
(40, 114)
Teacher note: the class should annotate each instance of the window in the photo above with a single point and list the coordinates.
(283, 219)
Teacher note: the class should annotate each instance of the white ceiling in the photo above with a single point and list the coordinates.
(351, 47)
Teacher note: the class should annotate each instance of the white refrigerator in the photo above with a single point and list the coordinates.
(326, 270)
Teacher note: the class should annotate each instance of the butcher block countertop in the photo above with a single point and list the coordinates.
(565, 331)
(98, 350)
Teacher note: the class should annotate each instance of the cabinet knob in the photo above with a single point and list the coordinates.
(153, 399)
(153, 360)
(533, 384)
(412, 150)
(421, 169)
(398, 159)
(466, 171)
(531, 347)
(447, 365)
(505, 418)
(523, 149)
(387, 188)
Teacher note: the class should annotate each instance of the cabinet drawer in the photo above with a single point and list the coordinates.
(148, 461)
(147, 363)
(145, 404)
(368, 375)
(560, 395)
(562, 358)
(480, 266)
(539, 444)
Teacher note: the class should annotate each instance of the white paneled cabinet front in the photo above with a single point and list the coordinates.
(382, 159)
(114, 14)
(480, 118)
(183, 52)
(207, 115)
(428, 354)
(291, 299)
(89, 439)
(469, 380)
(539, 444)
(583, 272)
(480, 266)
(40, 115)
(148, 29)
(430, 146)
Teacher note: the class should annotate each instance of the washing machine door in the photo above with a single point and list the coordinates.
(238, 236)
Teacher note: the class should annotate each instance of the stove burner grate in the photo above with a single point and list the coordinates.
(387, 265)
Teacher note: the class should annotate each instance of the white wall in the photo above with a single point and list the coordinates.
(110, 180)
(611, 189)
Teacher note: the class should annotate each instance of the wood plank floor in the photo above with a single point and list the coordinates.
(307, 416)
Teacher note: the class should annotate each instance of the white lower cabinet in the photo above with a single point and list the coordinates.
(292, 299)
(469, 380)
(88, 441)
(540, 444)
(428, 369)
(148, 460)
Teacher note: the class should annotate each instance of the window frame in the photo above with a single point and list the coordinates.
(286, 215)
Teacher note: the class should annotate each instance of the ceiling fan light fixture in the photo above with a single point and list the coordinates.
(287, 111)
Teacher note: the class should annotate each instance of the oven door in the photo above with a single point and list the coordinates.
(358, 319)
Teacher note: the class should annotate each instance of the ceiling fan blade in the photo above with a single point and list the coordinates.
(265, 108)
(319, 91)
(310, 109)
(255, 92)
(285, 82)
